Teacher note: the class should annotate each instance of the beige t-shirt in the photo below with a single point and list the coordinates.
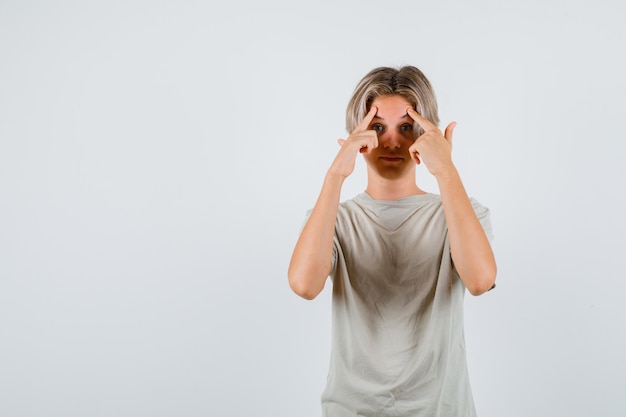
(398, 347)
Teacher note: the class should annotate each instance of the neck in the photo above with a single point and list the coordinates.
(391, 189)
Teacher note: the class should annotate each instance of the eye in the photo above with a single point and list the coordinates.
(406, 127)
(377, 127)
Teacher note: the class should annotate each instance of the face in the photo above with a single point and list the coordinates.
(394, 127)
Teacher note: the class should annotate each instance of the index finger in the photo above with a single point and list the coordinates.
(422, 121)
(365, 123)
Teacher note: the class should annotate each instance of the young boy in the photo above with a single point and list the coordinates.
(400, 259)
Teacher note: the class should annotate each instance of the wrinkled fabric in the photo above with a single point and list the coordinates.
(398, 346)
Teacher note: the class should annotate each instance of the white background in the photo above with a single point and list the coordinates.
(157, 160)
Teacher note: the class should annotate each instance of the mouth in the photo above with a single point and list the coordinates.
(391, 158)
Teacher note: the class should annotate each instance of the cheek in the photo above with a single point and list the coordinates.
(408, 138)
(369, 157)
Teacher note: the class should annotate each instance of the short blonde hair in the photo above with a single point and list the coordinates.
(407, 81)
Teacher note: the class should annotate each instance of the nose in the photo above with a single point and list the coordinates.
(390, 140)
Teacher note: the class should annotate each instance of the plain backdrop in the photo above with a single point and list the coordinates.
(157, 159)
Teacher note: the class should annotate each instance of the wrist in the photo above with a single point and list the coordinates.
(448, 173)
(334, 178)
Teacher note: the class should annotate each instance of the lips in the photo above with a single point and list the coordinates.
(391, 158)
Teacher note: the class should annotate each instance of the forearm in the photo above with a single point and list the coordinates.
(311, 261)
(469, 246)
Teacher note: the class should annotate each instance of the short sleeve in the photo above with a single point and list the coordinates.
(335, 243)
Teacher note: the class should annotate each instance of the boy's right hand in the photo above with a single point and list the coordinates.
(361, 140)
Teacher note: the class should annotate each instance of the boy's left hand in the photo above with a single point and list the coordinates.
(432, 147)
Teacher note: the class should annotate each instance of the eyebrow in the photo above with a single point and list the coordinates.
(380, 118)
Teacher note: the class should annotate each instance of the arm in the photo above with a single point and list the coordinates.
(311, 261)
(469, 246)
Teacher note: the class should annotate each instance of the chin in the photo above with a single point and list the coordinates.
(394, 173)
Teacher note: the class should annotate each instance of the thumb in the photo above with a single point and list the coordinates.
(341, 141)
(448, 133)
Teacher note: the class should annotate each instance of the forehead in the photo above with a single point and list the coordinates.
(391, 107)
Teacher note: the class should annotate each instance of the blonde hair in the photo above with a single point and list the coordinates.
(407, 81)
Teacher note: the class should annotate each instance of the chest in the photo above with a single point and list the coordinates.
(396, 261)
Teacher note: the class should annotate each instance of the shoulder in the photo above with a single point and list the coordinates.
(478, 207)
(355, 203)
(484, 216)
